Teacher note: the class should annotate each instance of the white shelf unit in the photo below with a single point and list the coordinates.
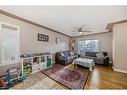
(36, 63)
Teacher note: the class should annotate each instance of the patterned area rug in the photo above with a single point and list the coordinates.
(69, 77)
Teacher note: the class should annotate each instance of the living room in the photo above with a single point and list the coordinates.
(65, 51)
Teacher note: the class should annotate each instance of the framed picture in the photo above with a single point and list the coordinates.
(42, 37)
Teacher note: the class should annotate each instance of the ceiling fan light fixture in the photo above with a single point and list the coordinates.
(107, 30)
(80, 32)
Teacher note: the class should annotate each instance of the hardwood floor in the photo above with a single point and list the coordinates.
(105, 78)
(102, 77)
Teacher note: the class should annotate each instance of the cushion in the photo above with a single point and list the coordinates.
(62, 54)
(66, 53)
(90, 57)
(99, 55)
(75, 56)
(105, 54)
(71, 53)
(82, 54)
(92, 54)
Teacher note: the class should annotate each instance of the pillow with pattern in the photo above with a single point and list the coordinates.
(100, 55)
(62, 54)
(71, 53)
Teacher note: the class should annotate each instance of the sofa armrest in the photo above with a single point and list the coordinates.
(106, 60)
(78, 55)
(62, 58)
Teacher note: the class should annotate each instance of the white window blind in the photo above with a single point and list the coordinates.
(89, 45)
(9, 45)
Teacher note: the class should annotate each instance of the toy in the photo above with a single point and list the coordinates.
(27, 70)
(3, 81)
(13, 76)
(24, 75)
(2, 84)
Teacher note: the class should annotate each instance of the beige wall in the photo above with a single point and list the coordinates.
(105, 42)
(120, 47)
(29, 43)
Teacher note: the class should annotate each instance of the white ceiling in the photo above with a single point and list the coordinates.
(64, 18)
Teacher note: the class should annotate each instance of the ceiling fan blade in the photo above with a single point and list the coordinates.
(86, 31)
(74, 34)
(74, 31)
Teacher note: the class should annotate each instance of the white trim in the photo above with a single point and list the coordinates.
(118, 70)
(87, 38)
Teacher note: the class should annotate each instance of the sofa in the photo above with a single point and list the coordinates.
(64, 57)
(93, 55)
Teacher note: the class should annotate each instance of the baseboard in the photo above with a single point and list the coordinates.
(118, 70)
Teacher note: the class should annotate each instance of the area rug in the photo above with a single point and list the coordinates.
(69, 77)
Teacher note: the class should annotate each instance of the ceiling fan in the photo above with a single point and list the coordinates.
(82, 29)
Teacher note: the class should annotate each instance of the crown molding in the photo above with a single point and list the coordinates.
(30, 22)
(111, 25)
(89, 34)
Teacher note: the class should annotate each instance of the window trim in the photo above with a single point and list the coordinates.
(90, 38)
(13, 27)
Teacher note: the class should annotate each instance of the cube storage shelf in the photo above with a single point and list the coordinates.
(34, 64)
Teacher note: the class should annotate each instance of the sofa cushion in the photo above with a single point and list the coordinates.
(105, 54)
(62, 58)
(71, 53)
(99, 60)
(74, 56)
(89, 57)
(62, 54)
(66, 53)
(100, 55)
(83, 53)
(92, 54)
(69, 59)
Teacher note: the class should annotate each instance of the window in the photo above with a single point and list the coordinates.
(88, 45)
(9, 44)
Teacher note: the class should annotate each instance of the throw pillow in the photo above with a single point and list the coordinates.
(99, 55)
(62, 54)
(71, 53)
(66, 53)
(82, 54)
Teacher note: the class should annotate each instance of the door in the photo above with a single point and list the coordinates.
(10, 42)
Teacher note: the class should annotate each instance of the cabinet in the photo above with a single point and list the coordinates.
(9, 44)
(49, 61)
(36, 63)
